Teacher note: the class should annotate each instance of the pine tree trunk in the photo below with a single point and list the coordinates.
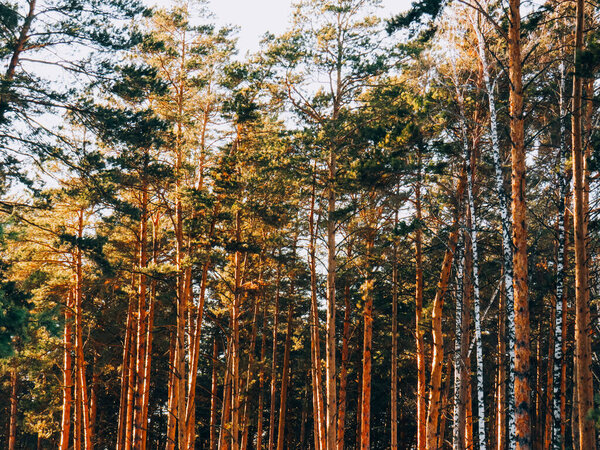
(367, 342)
(285, 374)
(149, 335)
(315, 345)
(435, 393)
(125, 374)
(12, 426)
(65, 424)
(330, 365)
(394, 357)
(235, 318)
(519, 221)
(225, 432)
(172, 390)
(261, 379)
(213, 398)
(583, 361)
(140, 364)
(274, 363)
(344, 365)
(246, 414)
(87, 432)
(419, 336)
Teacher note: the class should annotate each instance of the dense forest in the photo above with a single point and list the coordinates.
(373, 232)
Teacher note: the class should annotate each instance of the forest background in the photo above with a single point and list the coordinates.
(378, 228)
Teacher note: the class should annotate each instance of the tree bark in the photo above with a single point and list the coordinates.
(519, 221)
(80, 362)
(582, 310)
(436, 318)
(65, 424)
(12, 427)
(419, 335)
(274, 362)
(285, 374)
(367, 342)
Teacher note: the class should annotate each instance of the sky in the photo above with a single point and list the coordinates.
(256, 17)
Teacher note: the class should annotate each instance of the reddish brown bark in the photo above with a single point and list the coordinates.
(519, 221)
(367, 343)
(12, 426)
(435, 393)
(65, 424)
(285, 375)
(583, 358)
(419, 336)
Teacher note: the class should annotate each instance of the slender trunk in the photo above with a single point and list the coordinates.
(501, 438)
(344, 364)
(445, 401)
(172, 390)
(139, 425)
(78, 411)
(507, 249)
(584, 381)
(556, 417)
(125, 373)
(261, 379)
(472, 226)
(274, 363)
(367, 344)
(193, 369)
(12, 427)
(65, 424)
(246, 414)
(225, 432)
(458, 426)
(87, 435)
(213, 398)
(433, 413)
(149, 335)
(235, 318)
(315, 345)
(330, 365)
(94, 397)
(419, 335)
(466, 404)
(394, 358)
(285, 374)
(519, 220)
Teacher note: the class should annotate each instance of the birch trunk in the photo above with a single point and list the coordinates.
(507, 249)
(560, 273)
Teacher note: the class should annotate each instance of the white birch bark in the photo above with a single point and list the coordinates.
(457, 340)
(476, 297)
(506, 238)
(560, 275)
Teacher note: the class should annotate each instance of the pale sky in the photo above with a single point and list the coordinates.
(256, 17)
